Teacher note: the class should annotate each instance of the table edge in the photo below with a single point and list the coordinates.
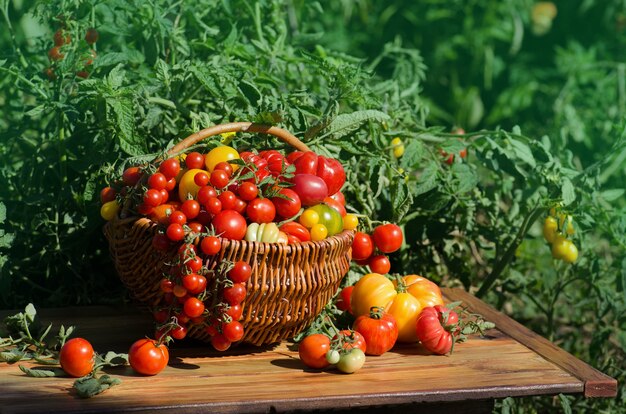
(596, 383)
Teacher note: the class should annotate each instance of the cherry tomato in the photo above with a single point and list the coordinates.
(261, 210)
(240, 272)
(230, 225)
(379, 264)
(77, 357)
(235, 294)
(350, 222)
(379, 329)
(175, 232)
(205, 193)
(107, 194)
(564, 249)
(178, 217)
(187, 187)
(210, 245)
(550, 229)
(388, 237)
(288, 204)
(312, 351)
(219, 179)
(131, 176)
(109, 210)
(351, 339)
(170, 168)
(248, 191)
(55, 53)
(61, 38)
(194, 160)
(190, 208)
(226, 167)
(220, 343)
(309, 218)
(233, 331)
(157, 181)
(201, 179)
(397, 147)
(362, 246)
(318, 232)
(152, 197)
(148, 357)
(193, 307)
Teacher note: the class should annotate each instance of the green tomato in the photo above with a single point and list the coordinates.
(352, 361)
(251, 232)
(333, 356)
(329, 217)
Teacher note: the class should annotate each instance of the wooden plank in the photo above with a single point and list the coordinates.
(596, 383)
(248, 379)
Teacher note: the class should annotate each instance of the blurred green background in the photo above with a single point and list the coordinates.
(538, 87)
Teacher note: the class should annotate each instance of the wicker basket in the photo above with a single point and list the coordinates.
(290, 283)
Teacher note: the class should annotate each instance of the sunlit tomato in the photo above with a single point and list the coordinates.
(191, 209)
(152, 197)
(148, 357)
(175, 232)
(219, 179)
(230, 225)
(379, 264)
(319, 232)
(296, 229)
(372, 290)
(219, 154)
(287, 204)
(77, 357)
(193, 307)
(157, 181)
(261, 210)
(187, 187)
(435, 327)
(362, 246)
(202, 179)
(194, 160)
(350, 222)
(240, 272)
(329, 217)
(388, 237)
(311, 189)
(170, 168)
(235, 294)
(210, 245)
(312, 351)
(205, 193)
(247, 191)
(305, 163)
(228, 200)
(339, 197)
(309, 218)
(331, 171)
(379, 330)
(178, 217)
(564, 249)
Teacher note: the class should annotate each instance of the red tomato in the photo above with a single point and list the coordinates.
(306, 163)
(233, 331)
(261, 210)
(77, 357)
(170, 168)
(194, 160)
(388, 237)
(379, 330)
(331, 171)
(107, 194)
(240, 272)
(230, 225)
(288, 204)
(157, 181)
(293, 228)
(311, 189)
(331, 202)
(235, 294)
(435, 331)
(131, 176)
(312, 351)
(343, 302)
(362, 246)
(228, 200)
(193, 307)
(351, 339)
(220, 343)
(210, 245)
(248, 191)
(148, 357)
(379, 264)
(235, 312)
(338, 196)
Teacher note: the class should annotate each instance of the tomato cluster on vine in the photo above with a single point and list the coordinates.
(63, 40)
(197, 200)
(371, 249)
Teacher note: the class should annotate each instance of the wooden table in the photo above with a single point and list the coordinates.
(511, 361)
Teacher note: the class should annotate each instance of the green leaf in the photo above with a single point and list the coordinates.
(344, 124)
(42, 373)
(30, 312)
(130, 143)
(12, 356)
(427, 180)
(607, 195)
(114, 359)
(413, 153)
(568, 193)
(250, 91)
(565, 404)
(465, 178)
(523, 152)
(3, 212)
(88, 387)
(402, 199)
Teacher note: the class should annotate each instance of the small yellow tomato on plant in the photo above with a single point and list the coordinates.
(109, 210)
(398, 147)
(550, 229)
(350, 222)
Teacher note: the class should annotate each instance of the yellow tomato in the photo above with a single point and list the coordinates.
(350, 222)
(187, 186)
(223, 153)
(309, 218)
(109, 210)
(398, 147)
(415, 294)
(550, 229)
(318, 232)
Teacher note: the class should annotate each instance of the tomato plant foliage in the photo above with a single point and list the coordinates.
(347, 86)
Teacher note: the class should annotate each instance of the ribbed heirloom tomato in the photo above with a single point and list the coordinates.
(379, 329)
(435, 327)
(404, 301)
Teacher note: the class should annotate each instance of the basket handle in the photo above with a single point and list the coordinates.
(279, 133)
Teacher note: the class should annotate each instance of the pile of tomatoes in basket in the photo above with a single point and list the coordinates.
(197, 200)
